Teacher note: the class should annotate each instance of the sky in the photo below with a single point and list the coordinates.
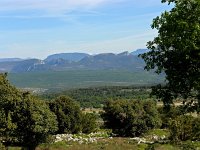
(38, 28)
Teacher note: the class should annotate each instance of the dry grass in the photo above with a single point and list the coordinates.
(92, 110)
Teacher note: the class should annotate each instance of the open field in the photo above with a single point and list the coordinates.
(83, 78)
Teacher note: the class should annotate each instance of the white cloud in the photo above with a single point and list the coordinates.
(50, 5)
(63, 9)
(67, 5)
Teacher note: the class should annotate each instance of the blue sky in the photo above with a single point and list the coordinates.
(37, 28)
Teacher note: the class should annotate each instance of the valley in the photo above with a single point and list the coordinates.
(83, 78)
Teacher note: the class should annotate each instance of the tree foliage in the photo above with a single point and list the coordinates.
(2, 147)
(68, 114)
(176, 51)
(168, 114)
(131, 118)
(97, 96)
(89, 123)
(24, 120)
(184, 128)
(35, 121)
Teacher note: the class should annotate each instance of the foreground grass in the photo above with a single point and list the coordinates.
(107, 144)
(119, 144)
(116, 144)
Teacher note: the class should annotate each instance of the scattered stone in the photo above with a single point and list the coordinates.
(80, 138)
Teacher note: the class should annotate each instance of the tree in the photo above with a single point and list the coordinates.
(68, 114)
(184, 127)
(35, 122)
(24, 120)
(131, 118)
(176, 52)
(89, 123)
(9, 96)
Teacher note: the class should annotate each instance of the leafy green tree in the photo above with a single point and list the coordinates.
(35, 122)
(168, 114)
(176, 52)
(89, 123)
(24, 120)
(184, 128)
(131, 118)
(68, 114)
(9, 96)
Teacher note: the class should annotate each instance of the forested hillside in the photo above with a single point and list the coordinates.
(96, 97)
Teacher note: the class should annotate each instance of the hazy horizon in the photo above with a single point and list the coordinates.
(67, 52)
(40, 28)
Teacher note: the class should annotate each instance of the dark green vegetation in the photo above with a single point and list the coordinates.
(176, 52)
(98, 96)
(27, 121)
(131, 118)
(185, 128)
(68, 114)
(24, 120)
(89, 122)
(83, 78)
(70, 118)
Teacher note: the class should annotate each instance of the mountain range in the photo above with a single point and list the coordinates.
(73, 61)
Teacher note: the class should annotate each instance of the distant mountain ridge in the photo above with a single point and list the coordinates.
(71, 57)
(69, 61)
(10, 59)
(112, 61)
(139, 51)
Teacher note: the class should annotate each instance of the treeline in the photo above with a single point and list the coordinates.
(96, 97)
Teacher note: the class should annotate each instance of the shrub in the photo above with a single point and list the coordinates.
(188, 145)
(184, 128)
(167, 114)
(131, 118)
(89, 123)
